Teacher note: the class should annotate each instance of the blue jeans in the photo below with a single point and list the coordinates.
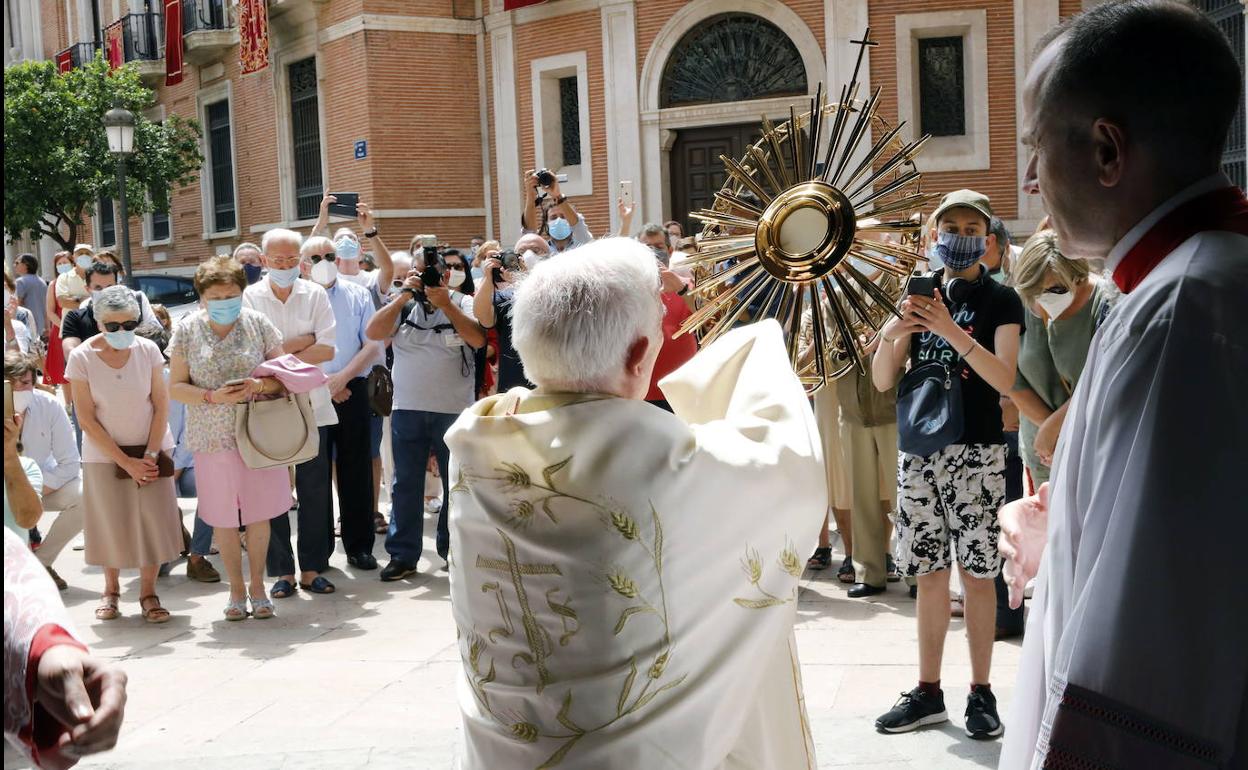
(201, 535)
(414, 435)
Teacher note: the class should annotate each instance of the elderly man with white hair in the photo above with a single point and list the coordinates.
(300, 310)
(532, 248)
(623, 583)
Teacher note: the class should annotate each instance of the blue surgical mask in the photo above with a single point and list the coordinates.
(63, 268)
(559, 229)
(95, 294)
(284, 279)
(347, 248)
(225, 311)
(253, 273)
(120, 339)
(960, 251)
(83, 261)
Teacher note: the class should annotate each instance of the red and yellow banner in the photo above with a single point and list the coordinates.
(173, 42)
(253, 35)
(114, 45)
(64, 61)
(511, 5)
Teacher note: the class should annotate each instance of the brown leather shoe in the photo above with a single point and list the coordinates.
(201, 570)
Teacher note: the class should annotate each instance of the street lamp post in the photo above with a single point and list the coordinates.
(119, 125)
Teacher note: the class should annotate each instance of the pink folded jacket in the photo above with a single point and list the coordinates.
(297, 376)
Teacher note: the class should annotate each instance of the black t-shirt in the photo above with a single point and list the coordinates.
(988, 306)
(510, 370)
(79, 323)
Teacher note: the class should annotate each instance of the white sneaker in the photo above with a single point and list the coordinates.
(433, 505)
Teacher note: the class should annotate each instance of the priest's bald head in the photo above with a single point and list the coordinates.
(1125, 105)
(590, 320)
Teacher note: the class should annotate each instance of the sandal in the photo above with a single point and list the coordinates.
(957, 607)
(846, 573)
(282, 589)
(236, 609)
(108, 607)
(894, 575)
(319, 585)
(261, 609)
(822, 559)
(154, 615)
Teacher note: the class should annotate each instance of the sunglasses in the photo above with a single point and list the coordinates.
(113, 326)
(1057, 290)
(318, 257)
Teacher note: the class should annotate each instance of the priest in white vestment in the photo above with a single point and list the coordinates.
(1136, 653)
(624, 580)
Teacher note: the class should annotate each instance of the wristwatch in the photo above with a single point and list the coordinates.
(151, 455)
(371, 233)
(684, 289)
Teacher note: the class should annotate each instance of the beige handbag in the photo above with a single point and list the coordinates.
(278, 432)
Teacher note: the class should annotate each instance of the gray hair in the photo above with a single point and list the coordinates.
(577, 314)
(280, 235)
(998, 228)
(245, 246)
(116, 299)
(653, 229)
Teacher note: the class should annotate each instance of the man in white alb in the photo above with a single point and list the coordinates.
(1136, 653)
(623, 580)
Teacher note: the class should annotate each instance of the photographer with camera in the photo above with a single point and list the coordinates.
(433, 332)
(493, 309)
(552, 212)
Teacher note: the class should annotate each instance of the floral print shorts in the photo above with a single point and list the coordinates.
(949, 500)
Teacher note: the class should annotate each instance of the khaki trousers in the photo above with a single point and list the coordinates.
(872, 454)
(68, 502)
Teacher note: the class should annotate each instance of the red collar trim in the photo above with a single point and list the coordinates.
(1222, 209)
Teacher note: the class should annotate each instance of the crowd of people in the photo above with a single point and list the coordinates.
(512, 373)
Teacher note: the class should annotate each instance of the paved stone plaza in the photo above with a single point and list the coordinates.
(365, 678)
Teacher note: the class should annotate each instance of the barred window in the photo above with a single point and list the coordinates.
(942, 86)
(1229, 15)
(570, 120)
(108, 223)
(221, 163)
(305, 129)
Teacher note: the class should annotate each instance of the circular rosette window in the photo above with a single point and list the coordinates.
(817, 226)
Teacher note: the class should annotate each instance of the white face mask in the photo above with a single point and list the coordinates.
(325, 273)
(455, 279)
(83, 261)
(1055, 304)
(21, 400)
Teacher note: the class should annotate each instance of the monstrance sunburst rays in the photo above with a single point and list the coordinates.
(805, 200)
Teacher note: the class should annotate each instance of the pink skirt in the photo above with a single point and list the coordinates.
(233, 495)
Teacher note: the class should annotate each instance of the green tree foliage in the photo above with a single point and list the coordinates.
(56, 158)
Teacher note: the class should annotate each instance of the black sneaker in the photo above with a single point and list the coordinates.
(397, 570)
(982, 722)
(915, 709)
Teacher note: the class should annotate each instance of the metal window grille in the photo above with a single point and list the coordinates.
(305, 129)
(1230, 17)
(570, 117)
(732, 57)
(942, 86)
(108, 223)
(198, 15)
(221, 158)
(141, 36)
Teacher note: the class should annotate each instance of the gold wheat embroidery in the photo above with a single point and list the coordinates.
(788, 561)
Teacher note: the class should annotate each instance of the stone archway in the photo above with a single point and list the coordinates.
(660, 124)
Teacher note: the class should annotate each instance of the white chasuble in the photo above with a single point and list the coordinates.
(1136, 653)
(624, 580)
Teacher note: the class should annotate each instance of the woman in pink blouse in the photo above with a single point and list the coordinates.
(131, 517)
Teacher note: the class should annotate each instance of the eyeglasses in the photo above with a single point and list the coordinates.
(1057, 290)
(113, 326)
(454, 266)
(318, 257)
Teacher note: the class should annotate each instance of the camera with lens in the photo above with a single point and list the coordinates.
(511, 262)
(431, 276)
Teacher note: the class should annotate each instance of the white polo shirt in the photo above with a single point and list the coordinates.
(305, 311)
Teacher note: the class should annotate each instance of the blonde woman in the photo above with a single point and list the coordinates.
(1066, 303)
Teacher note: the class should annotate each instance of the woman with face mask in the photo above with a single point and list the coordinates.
(1066, 304)
(211, 356)
(54, 365)
(130, 514)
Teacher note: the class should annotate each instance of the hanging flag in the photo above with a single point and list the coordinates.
(64, 61)
(173, 42)
(511, 5)
(114, 45)
(253, 35)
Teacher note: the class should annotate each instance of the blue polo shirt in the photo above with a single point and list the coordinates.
(353, 307)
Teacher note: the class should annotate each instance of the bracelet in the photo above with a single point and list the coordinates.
(371, 233)
(969, 350)
(207, 396)
(560, 200)
(684, 289)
